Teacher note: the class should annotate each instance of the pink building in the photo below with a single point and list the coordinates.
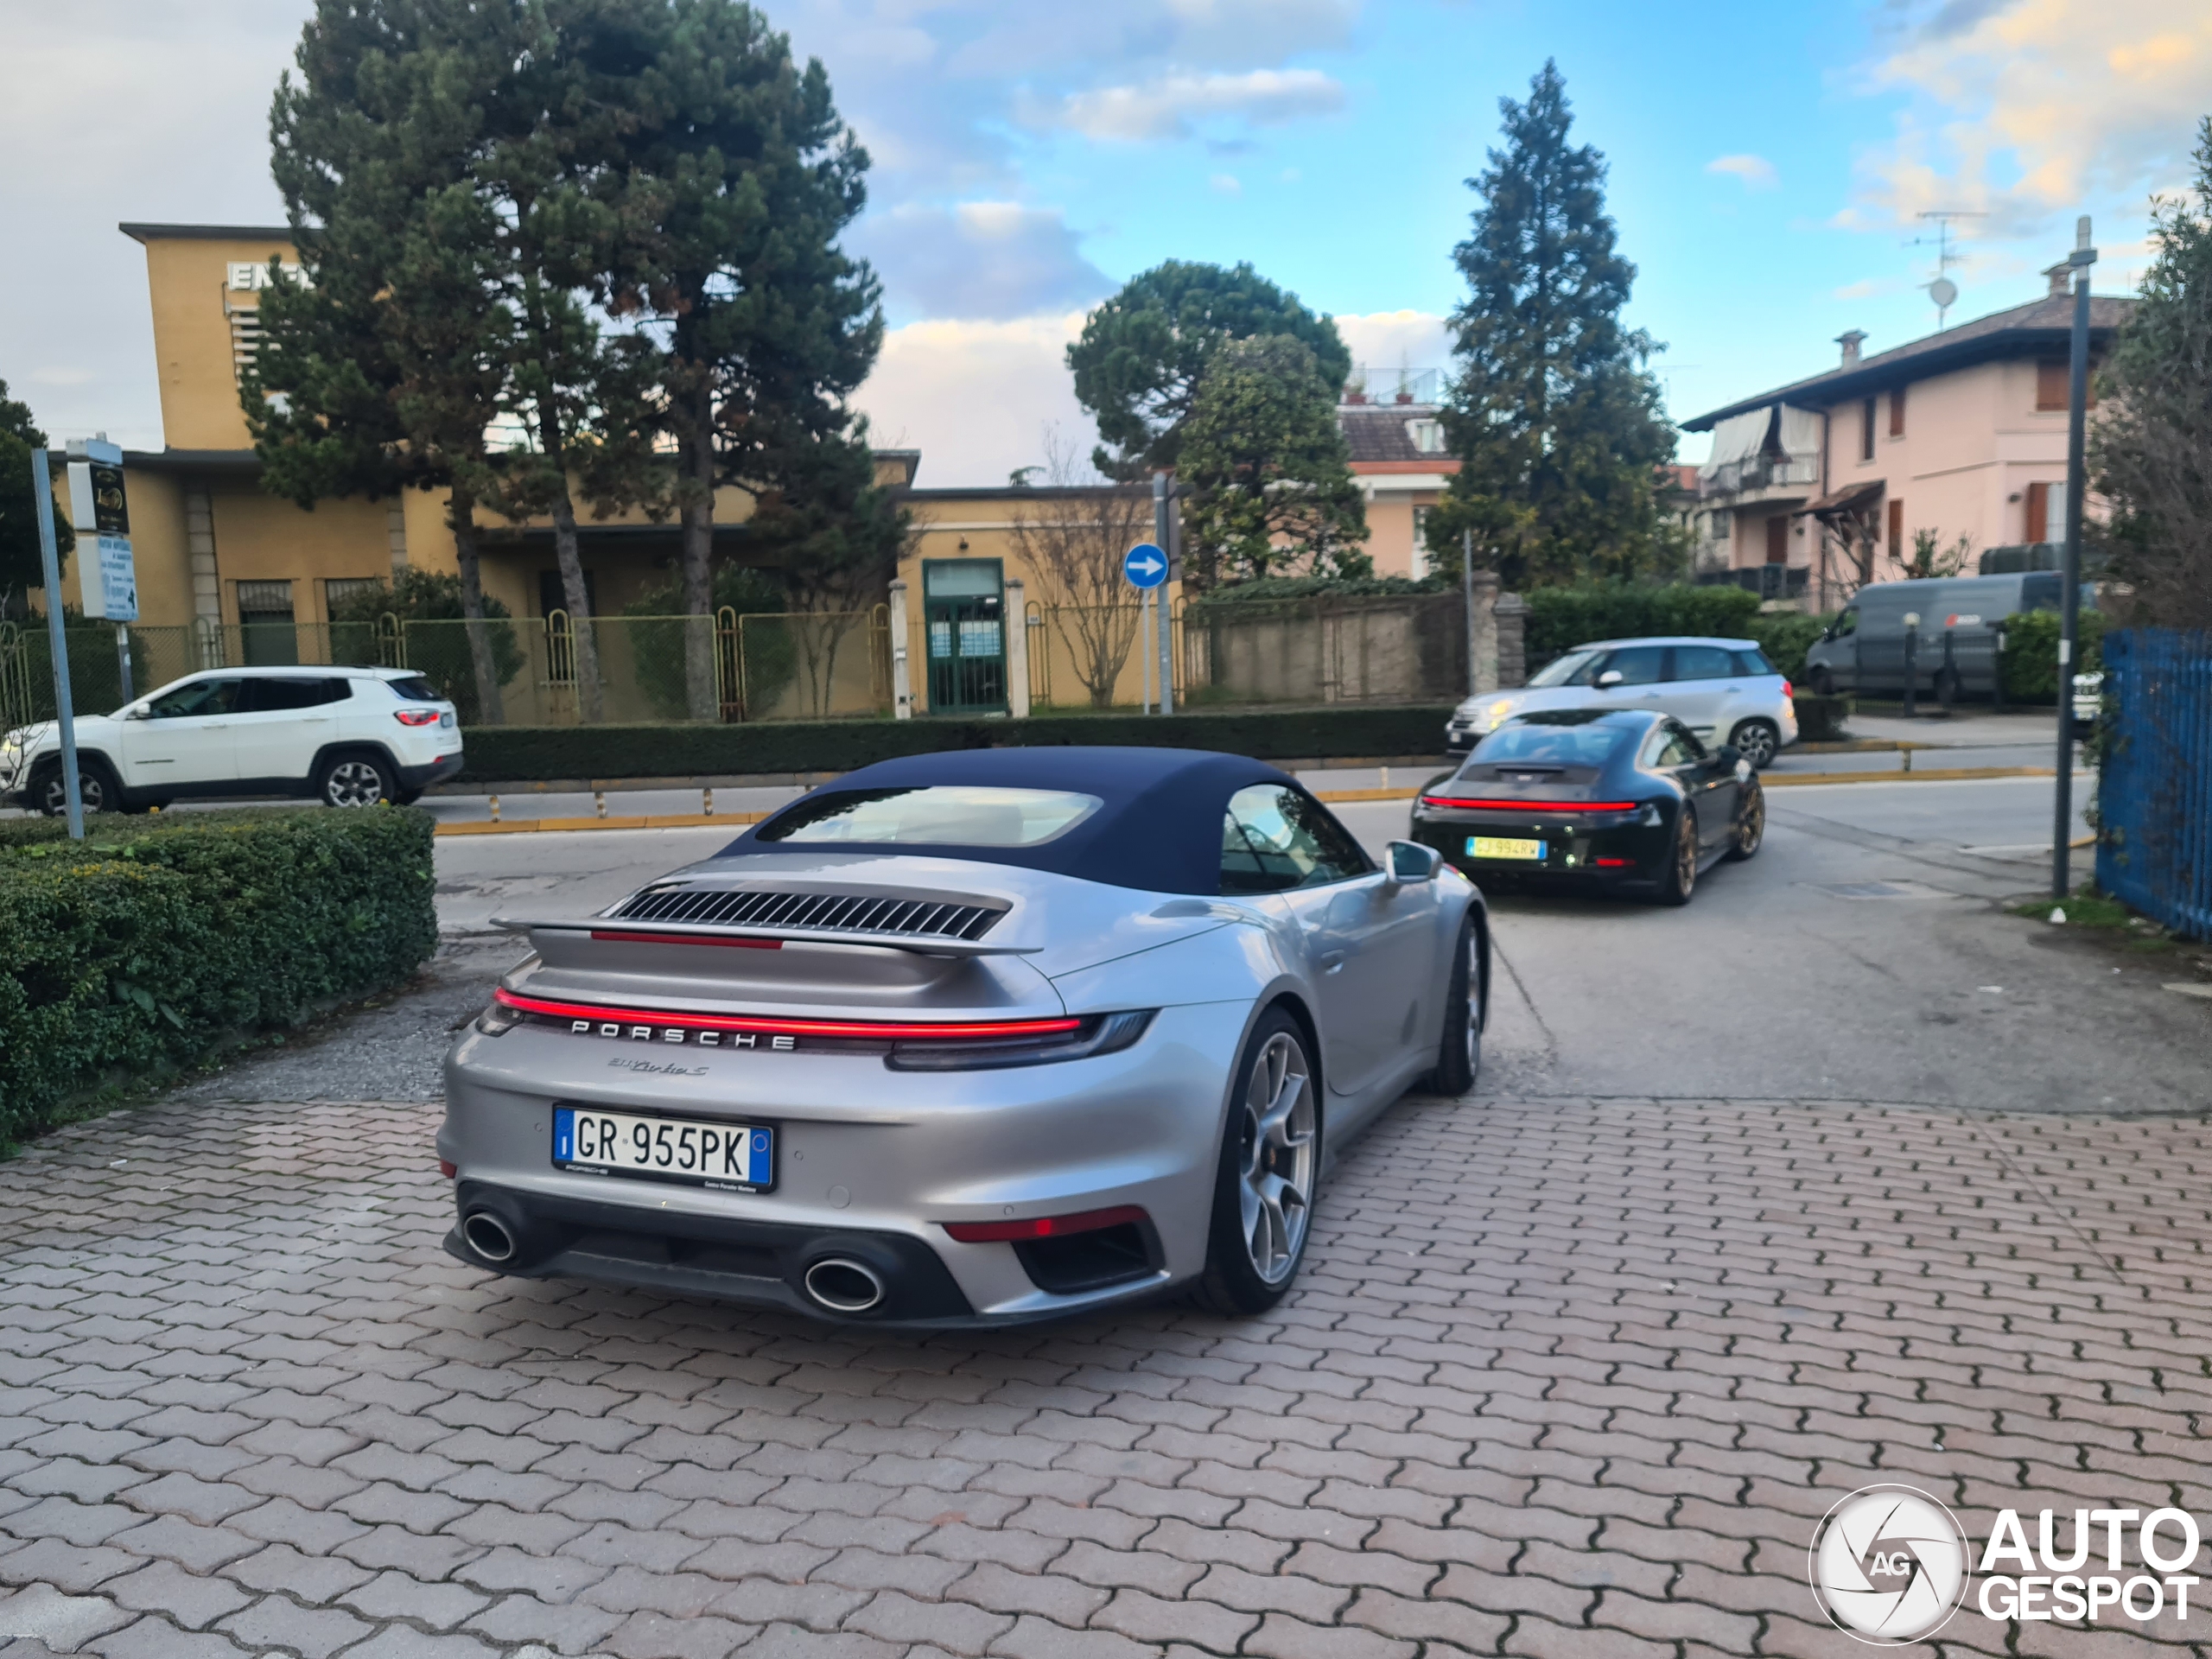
(1400, 458)
(1816, 487)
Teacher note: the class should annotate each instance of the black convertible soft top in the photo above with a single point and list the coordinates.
(1159, 830)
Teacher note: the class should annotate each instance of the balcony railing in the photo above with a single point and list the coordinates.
(1763, 473)
(1767, 581)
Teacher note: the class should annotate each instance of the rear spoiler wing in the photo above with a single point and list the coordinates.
(615, 929)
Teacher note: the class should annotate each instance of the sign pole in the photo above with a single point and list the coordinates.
(1145, 568)
(65, 714)
(2069, 581)
(122, 661)
(1162, 621)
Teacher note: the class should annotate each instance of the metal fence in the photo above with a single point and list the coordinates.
(2154, 791)
(780, 665)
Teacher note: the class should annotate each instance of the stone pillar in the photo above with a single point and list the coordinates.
(199, 553)
(1512, 614)
(1482, 622)
(395, 523)
(1016, 610)
(902, 698)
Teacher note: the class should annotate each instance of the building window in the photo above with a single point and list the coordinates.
(340, 591)
(1428, 436)
(1867, 430)
(1716, 527)
(1420, 540)
(1897, 529)
(2037, 527)
(1896, 412)
(265, 630)
(1777, 539)
(2054, 384)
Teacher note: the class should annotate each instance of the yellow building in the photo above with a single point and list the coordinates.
(227, 572)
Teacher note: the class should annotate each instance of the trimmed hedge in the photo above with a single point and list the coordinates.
(154, 942)
(529, 753)
(2030, 661)
(1562, 618)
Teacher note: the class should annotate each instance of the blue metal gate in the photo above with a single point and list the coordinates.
(2154, 791)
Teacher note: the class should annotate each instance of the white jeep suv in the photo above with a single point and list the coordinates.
(1723, 689)
(344, 736)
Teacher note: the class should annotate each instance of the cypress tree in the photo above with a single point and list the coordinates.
(1555, 418)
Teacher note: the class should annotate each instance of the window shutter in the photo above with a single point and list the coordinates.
(1897, 529)
(2050, 387)
(1896, 412)
(2038, 525)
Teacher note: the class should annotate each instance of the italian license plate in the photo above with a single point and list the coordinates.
(691, 1152)
(1504, 846)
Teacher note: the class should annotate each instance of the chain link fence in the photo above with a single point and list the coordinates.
(783, 666)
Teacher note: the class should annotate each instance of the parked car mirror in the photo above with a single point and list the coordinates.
(1728, 754)
(1411, 862)
(1609, 678)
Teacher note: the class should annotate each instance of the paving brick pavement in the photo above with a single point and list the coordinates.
(1563, 1377)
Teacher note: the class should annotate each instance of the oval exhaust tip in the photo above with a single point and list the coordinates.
(844, 1286)
(488, 1236)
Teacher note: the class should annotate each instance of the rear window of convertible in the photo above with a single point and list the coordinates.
(936, 815)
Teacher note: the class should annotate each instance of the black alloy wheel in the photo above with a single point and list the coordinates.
(1757, 740)
(1750, 829)
(1682, 864)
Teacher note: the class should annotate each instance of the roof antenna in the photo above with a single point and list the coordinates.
(1941, 289)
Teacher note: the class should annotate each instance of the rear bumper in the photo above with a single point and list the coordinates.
(1576, 856)
(878, 1158)
(435, 771)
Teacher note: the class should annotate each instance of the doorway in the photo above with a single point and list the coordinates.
(963, 613)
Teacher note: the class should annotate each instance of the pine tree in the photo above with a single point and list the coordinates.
(1555, 418)
(1143, 354)
(744, 178)
(1268, 472)
(2151, 445)
(21, 564)
(381, 370)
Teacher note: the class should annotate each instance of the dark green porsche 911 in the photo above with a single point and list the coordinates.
(1592, 798)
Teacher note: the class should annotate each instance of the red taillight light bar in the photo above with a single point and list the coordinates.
(1013, 1232)
(415, 716)
(606, 937)
(1786, 692)
(1465, 804)
(881, 1030)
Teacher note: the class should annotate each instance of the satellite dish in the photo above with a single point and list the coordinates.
(1944, 292)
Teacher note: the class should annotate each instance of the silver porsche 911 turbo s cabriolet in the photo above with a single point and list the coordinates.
(963, 1038)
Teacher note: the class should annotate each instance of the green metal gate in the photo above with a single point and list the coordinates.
(964, 612)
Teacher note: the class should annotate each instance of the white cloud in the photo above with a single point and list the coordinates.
(1756, 171)
(975, 397)
(978, 259)
(1227, 183)
(1385, 341)
(2032, 111)
(1171, 105)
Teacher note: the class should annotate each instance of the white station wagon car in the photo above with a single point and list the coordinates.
(344, 736)
(1723, 689)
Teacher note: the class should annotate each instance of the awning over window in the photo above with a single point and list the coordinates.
(1737, 439)
(1837, 503)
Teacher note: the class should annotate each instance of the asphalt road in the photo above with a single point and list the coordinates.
(1865, 955)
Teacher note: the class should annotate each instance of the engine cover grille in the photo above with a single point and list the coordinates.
(815, 912)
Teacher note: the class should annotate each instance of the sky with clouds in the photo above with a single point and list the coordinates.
(1770, 167)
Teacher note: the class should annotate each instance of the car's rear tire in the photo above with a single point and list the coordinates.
(1823, 682)
(1749, 833)
(1757, 740)
(1264, 1183)
(1681, 880)
(1460, 1051)
(355, 778)
(98, 789)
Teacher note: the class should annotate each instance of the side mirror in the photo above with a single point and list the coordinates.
(1410, 862)
(1728, 754)
(1609, 678)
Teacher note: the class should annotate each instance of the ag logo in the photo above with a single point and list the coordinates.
(1889, 1565)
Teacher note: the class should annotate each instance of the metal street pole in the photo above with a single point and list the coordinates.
(1467, 598)
(2069, 581)
(1163, 620)
(66, 715)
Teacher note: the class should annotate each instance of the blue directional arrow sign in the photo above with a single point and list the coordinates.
(1144, 565)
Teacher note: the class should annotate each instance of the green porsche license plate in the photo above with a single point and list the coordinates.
(1505, 847)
